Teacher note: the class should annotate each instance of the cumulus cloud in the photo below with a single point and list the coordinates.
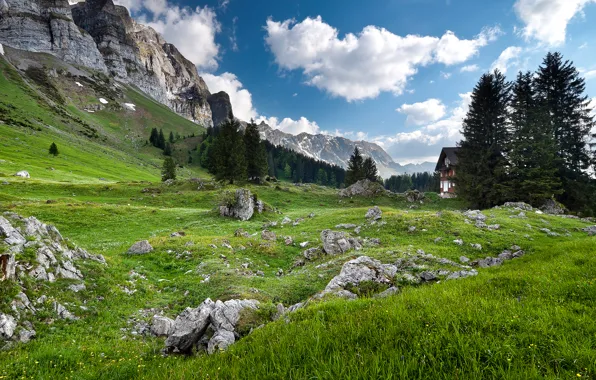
(469, 69)
(590, 74)
(419, 145)
(424, 112)
(362, 66)
(240, 97)
(294, 127)
(546, 20)
(509, 57)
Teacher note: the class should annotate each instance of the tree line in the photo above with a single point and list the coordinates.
(529, 140)
(424, 182)
(231, 155)
(360, 168)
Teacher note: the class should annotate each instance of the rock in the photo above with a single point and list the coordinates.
(304, 244)
(23, 174)
(553, 207)
(372, 242)
(225, 315)
(414, 196)
(7, 326)
(220, 341)
(476, 246)
(241, 233)
(285, 221)
(346, 226)
(162, 326)
(25, 336)
(506, 255)
(459, 242)
(462, 274)
(62, 312)
(288, 240)
(412, 229)
(280, 272)
(494, 227)
(221, 108)
(438, 240)
(364, 188)
(519, 205)
(268, 235)
(475, 215)
(242, 207)
(549, 232)
(387, 293)
(140, 248)
(335, 243)
(312, 254)
(77, 288)
(487, 262)
(189, 326)
(590, 230)
(8, 266)
(464, 260)
(374, 213)
(357, 230)
(427, 276)
(360, 270)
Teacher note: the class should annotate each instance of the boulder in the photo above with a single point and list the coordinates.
(25, 335)
(7, 326)
(387, 293)
(518, 205)
(140, 248)
(62, 312)
(427, 276)
(363, 188)
(241, 233)
(362, 269)
(335, 243)
(190, 326)
(374, 213)
(23, 174)
(553, 207)
(242, 206)
(475, 215)
(268, 235)
(225, 315)
(220, 341)
(162, 326)
(590, 230)
(414, 196)
(312, 254)
(487, 262)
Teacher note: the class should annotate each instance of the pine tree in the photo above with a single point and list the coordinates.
(171, 138)
(228, 153)
(322, 177)
(369, 169)
(288, 171)
(533, 148)
(54, 149)
(256, 156)
(154, 138)
(161, 140)
(168, 170)
(168, 149)
(560, 87)
(482, 177)
(355, 170)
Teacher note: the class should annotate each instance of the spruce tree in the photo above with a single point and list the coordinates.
(369, 169)
(168, 149)
(533, 148)
(562, 90)
(154, 138)
(228, 153)
(482, 178)
(256, 156)
(168, 170)
(322, 177)
(54, 149)
(161, 140)
(288, 171)
(171, 138)
(355, 170)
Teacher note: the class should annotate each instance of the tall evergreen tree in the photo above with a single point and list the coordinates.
(355, 170)
(54, 149)
(171, 138)
(168, 149)
(369, 169)
(161, 140)
(228, 153)
(482, 177)
(533, 148)
(560, 87)
(322, 177)
(256, 155)
(154, 138)
(168, 170)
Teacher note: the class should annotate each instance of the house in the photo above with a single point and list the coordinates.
(446, 168)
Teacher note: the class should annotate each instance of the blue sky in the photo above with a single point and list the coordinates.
(396, 72)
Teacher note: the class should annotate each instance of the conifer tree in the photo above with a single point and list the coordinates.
(482, 177)
(168, 149)
(161, 140)
(171, 138)
(533, 149)
(168, 170)
(355, 170)
(322, 177)
(154, 138)
(256, 156)
(228, 153)
(54, 149)
(288, 171)
(369, 169)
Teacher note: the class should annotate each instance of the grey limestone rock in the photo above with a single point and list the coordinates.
(140, 248)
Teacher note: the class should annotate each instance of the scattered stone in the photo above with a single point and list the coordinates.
(241, 207)
(549, 232)
(412, 229)
(7, 326)
(364, 188)
(414, 196)
(190, 326)
(459, 242)
(241, 233)
(362, 269)
(519, 205)
(260, 273)
(285, 221)
(268, 235)
(590, 230)
(346, 226)
(335, 243)
(462, 274)
(494, 227)
(387, 293)
(140, 248)
(77, 288)
(374, 213)
(475, 215)
(553, 207)
(280, 272)
(23, 174)
(464, 260)
(372, 242)
(304, 244)
(312, 254)
(487, 262)
(357, 230)
(62, 312)
(476, 246)
(162, 326)
(289, 240)
(438, 240)
(427, 276)
(25, 336)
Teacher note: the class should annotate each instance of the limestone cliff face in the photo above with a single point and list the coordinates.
(137, 54)
(46, 26)
(221, 108)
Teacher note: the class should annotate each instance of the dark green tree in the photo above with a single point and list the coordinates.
(168, 149)
(54, 149)
(256, 155)
(228, 153)
(369, 169)
(562, 91)
(322, 177)
(161, 140)
(482, 177)
(532, 156)
(154, 138)
(168, 170)
(171, 138)
(355, 170)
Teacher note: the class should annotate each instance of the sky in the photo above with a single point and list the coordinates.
(395, 72)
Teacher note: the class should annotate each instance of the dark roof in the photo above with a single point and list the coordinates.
(450, 153)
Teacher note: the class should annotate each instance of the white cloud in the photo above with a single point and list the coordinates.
(423, 112)
(547, 20)
(445, 75)
(362, 66)
(240, 97)
(590, 74)
(509, 57)
(294, 127)
(583, 46)
(418, 145)
(469, 69)
(233, 37)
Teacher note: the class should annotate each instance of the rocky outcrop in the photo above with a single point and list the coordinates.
(221, 108)
(363, 188)
(46, 26)
(553, 207)
(336, 243)
(357, 271)
(221, 318)
(414, 196)
(241, 205)
(373, 214)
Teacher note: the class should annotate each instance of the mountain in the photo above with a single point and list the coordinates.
(337, 150)
(103, 38)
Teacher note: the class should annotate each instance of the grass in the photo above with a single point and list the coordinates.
(533, 317)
